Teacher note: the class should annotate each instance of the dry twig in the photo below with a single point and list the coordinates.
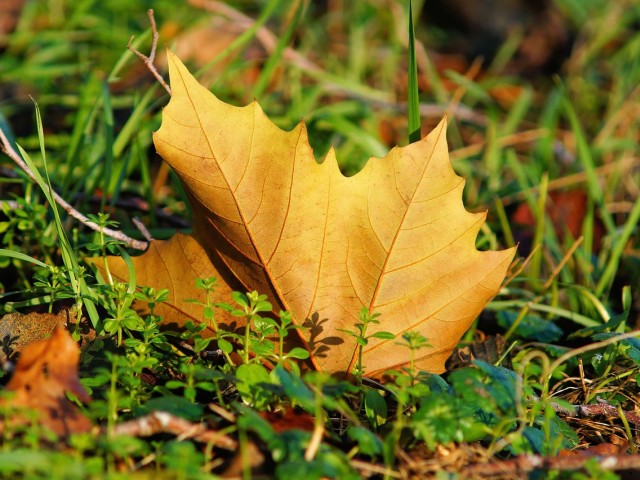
(143, 229)
(11, 153)
(8, 149)
(148, 61)
(605, 408)
(164, 422)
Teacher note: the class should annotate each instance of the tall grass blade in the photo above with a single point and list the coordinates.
(276, 57)
(618, 249)
(107, 163)
(83, 294)
(588, 163)
(21, 256)
(535, 265)
(413, 102)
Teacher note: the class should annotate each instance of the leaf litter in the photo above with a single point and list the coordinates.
(46, 371)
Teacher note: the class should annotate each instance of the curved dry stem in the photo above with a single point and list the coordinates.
(148, 61)
(8, 149)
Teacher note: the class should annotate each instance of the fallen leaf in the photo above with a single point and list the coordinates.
(289, 419)
(45, 372)
(394, 238)
(18, 330)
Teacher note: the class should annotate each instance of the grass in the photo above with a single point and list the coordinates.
(519, 140)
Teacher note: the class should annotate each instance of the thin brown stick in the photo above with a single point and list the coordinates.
(605, 408)
(164, 422)
(118, 235)
(563, 262)
(148, 61)
(602, 407)
(8, 149)
(143, 229)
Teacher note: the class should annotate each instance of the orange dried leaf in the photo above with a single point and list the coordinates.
(394, 238)
(45, 372)
(175, 264)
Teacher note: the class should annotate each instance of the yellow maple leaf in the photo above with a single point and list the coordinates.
(394, 238)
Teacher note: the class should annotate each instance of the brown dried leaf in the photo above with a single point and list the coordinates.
(46, 370)
(18, 330)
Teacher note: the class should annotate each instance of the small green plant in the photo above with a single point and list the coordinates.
(54, 283)
(251, 305)
(122, 318)
(27, 224)
(366, 319)
(195, 377)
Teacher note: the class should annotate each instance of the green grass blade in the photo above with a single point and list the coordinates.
(504, 222)
(522, 177)
(492, 158)
(506, 52)
(369, 143)
(517, 113)
(21, 256)
(127, 55)
(86, 112)
(107, 163)
(68, 255)
(535, 265)
(474, 90)
(560, 312)
(274, 59)
(618, 249)
(413, 101)
(588, 163)
(132, 126)
(132, 270)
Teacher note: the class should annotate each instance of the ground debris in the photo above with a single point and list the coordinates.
(46, 371)
(514, 467)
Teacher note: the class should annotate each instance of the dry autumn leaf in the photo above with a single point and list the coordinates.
(394, 238)
(45, 372)
(18, 330)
